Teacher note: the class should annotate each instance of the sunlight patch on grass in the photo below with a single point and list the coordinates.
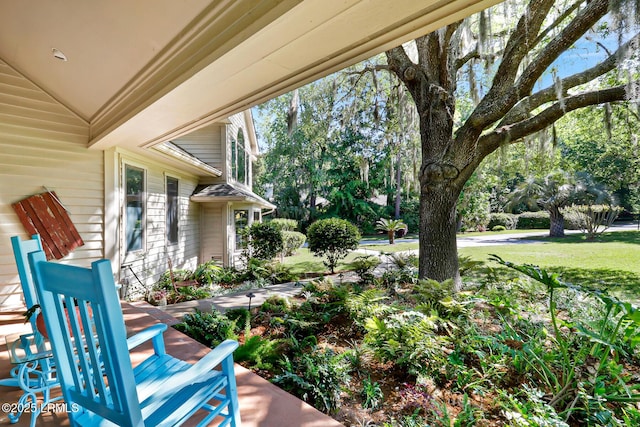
(305, 262)
(611, 262)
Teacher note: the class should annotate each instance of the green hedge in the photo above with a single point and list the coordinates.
(535, 220)
(284, 224)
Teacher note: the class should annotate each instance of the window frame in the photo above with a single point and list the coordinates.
(169, 227)
(142, 197)
(239, 242)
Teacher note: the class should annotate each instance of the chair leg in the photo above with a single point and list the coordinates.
(231, 391)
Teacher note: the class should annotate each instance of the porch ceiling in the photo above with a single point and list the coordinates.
(145, 71)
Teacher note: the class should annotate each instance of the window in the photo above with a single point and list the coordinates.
(239, 159)
(241, 221)
(172, 210)
(234, 159)
(134, 206)
(242, 158)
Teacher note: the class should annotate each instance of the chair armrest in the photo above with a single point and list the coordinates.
(152, 332)
(212, 359)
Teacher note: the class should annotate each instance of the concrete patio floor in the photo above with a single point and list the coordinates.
(261, 403)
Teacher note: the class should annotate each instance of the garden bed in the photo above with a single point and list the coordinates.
(394, 352)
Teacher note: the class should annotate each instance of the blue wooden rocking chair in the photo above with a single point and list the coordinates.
(35, 375)
(94, 367)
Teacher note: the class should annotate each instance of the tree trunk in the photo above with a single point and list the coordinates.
(391, 234)
(556, 219)
(438, 246)
(398, 187)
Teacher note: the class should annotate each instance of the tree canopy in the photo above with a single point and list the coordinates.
(501, 82)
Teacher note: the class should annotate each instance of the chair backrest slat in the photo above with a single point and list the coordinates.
(21, 249)
(87, 333)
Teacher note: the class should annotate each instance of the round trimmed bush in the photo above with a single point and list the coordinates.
(293, 240)
(284, 224)
(332, 238)
(265, 240)
(498, 228)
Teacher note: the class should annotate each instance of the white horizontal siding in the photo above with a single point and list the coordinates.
(42, 144)
(206, 144)
(213, 226)
(151, 262)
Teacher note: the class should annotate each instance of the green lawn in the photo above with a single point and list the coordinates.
(612, 261)
(305, 262)
(396, 247)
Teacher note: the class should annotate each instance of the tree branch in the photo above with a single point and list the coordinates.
(525, 106)
(575, 29)
(513, 133)
(557, 21)
(365, 70)
(500, 98)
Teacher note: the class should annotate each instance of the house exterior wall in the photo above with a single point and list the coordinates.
(42, 143)
(206, 144)
(213, 232)
(152, 260)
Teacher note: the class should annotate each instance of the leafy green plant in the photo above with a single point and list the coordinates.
(332, 238)
(466, 265)
(407, 339)
(259, 353)
(611, 337)
(276, 304)
(391, 227)
(372, 394)
(227, 277)
(284, 224)
(529, 409)
(207, 273)
(292, 241)
(367, 304)
(316, 377)
(364, 266)
(506, 220)
(265, 240)
(594, 219)
(209, 329)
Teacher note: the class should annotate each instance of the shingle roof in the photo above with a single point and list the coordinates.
(228, 192)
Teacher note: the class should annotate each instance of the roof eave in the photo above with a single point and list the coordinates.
(185, 158)
(221, 199)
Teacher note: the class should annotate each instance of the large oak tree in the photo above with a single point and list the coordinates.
(512, 108)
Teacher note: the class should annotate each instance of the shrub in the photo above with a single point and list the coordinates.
(332, 238)
(498, 228)
(292, 240)
(206, 273)
(364, 266)
(265, 240)
(316, 377)
(209, 329)
(507, 220)
(284, 224)
(535, 220)
(593, 219)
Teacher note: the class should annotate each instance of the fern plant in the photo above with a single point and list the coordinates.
(316, 377)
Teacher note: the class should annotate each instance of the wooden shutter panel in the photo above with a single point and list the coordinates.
(42, 214)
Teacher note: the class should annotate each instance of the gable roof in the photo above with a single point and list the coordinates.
(228, 192)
